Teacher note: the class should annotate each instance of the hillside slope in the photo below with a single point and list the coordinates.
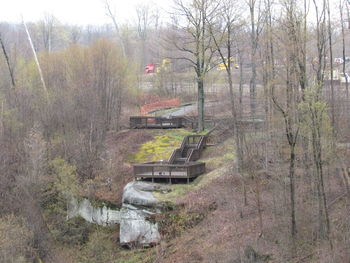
(219, 217)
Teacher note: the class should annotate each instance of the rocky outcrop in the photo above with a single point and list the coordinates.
(136, 229)
(139, 193)
(99, 215)
(139, 204)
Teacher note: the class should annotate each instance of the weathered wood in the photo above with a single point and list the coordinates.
(182, 161)
(190, 149)
(147, 122)
(163, 170)
(150, 122)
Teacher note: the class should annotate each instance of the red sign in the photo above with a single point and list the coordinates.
(150, 68)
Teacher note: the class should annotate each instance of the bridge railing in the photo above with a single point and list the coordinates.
(175, 155)
(171, 122)
(155, 122)
(195, 153)
(165, 170)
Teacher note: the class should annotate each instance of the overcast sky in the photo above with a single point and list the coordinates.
(82, 12)
(73, 11)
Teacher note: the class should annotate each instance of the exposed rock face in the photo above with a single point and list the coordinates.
(136, 229)
(140, 194)
(99, 215)
(138, 204)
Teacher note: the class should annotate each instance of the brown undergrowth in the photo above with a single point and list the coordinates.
(230, 230)
(216, 218)
(117, 170)
(224, 232)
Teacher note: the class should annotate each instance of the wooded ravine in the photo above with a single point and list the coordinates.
(223, 129)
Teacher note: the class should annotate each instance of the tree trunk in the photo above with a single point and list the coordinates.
(324, 223)
(292, 190)
(200, 103)
(344, 55)
(254, 40)
(8, 63)
(331, 66)
(258, 201)
(252, 89)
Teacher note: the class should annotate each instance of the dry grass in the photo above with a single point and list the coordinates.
(229, 226)
(117, 170)
(223, 234)
(227, 231)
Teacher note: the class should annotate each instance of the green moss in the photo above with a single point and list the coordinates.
(160, 148)
(218, 159)
(99, 203)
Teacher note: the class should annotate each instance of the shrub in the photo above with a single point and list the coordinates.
(16, 240)
(173, 223)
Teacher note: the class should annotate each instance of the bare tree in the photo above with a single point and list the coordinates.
(37, 62)
(291, 26)
(13, 82)
(112, 16)
(75, 34)
(331, 62)
(143, 12)
(317, 114)
(342, 24)
(197, 43)
(223, 39)
(28, 189)
(17, 240)
(347, 4)
(47, 31)
(256, 14)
